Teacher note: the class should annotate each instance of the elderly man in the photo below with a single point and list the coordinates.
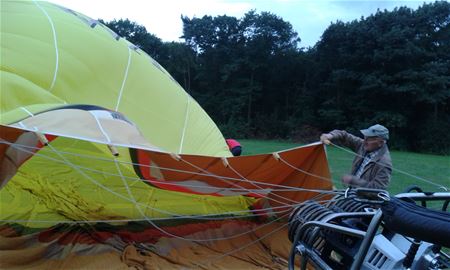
(372, 166)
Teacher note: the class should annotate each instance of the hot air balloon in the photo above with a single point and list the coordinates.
(106, 162)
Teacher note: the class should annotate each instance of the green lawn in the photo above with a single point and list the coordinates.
(433, 168)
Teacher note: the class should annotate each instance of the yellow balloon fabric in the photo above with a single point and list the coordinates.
(106, 162)
(86, 185)
(52, 56)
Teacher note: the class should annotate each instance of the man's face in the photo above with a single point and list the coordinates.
(372, 143)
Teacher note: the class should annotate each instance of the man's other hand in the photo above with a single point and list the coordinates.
(325, 138)
(346, 179)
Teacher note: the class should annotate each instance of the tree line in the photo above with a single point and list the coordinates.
(255, 81)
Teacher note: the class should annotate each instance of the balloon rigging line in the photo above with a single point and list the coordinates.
(104, 187)
(131, 220)
(21, 124)
(244, 246)
(263, 212)
(177, 217)
(158, 167)
(305, 172)
(185, 123)
(68, 163)
(27, 111)
(234, 184)
(259, 187)
(231, 252)
(186, 238)
(54, 42)
(138, 205)
(397, 170)
(140, 210)
(261, 238)
(147, 206)
(287, 188)
(250, 211)
(215, 176)
(100, 127)
(219, 177)
(136, 179)
(119, 98)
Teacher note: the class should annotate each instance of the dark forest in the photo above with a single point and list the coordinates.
(254, 79)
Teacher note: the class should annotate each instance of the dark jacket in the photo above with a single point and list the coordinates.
(377, 173)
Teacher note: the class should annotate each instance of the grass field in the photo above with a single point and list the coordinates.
(433, 168)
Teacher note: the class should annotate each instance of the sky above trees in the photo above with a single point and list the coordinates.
(309, 18)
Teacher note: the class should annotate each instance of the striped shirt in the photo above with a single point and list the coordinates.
(367, 158)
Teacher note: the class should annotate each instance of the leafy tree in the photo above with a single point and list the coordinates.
(391, 67)
(235, 56)
(138, 35)
(250, 75)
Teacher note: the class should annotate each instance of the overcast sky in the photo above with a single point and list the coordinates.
(162, 18)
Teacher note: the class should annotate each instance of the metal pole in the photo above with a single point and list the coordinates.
(367, 241)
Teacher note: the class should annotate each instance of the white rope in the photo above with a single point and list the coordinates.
(124, 79)
(305, 172)
(206, 217)
(250, 243)
(65, 161)
(177, 236)
(109, 190)
(55, 44)
(188, 185)
(121, 176)
(140, 210)
(126, 177)
(22, 124)
(243, 246)
(259, 187)
(174, 235)
(262, 212)
(282, 187)
(100, 127)
(397, 170)
(137, 205)
(27, 111)
(77, 168)
(221, 179)
(254, 182)
(185, 124)
(197, 240)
